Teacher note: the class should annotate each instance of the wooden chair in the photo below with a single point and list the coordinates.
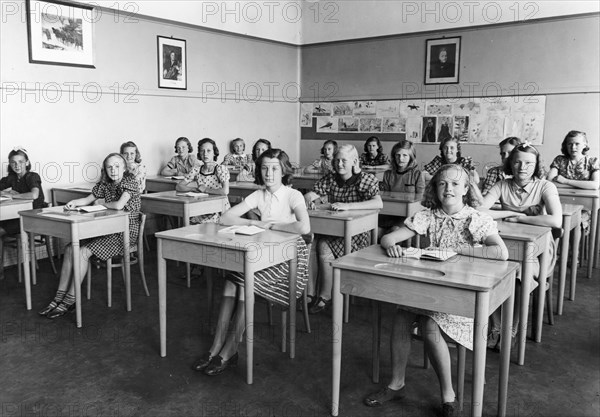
(117, 262)
(14, 242)
(308, 239)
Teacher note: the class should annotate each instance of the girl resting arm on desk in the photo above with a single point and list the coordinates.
(184, 161)
(450, 222)
(346, 189)
(281, 208)
(209, 178)
(117, 190)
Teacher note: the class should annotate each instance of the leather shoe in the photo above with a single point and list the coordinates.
(449, 409)
(319, 305)
(202, 362)
(384, 395)
(60, 311)
(48, 309)
(217, 365)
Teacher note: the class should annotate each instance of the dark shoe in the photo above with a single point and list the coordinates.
(48, 308)
(202, 362)
(61, 310)
(377, 399)
(449, 409)
(310, 299)
(217, 365)
(493, 341)
(319, 305)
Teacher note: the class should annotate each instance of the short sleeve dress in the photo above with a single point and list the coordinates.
(437, 162)
(183, 166)
(22, 185)
(237, 160)
(105, 247)
(360, 187)
(380, 159)
(140, 173)
(273, 283)
(468, 226)
(213, 179)
(323, 165)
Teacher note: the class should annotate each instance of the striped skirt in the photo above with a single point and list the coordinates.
(273, 283)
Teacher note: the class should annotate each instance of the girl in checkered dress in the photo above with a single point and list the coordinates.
(118, 190)
(450, 153)
(346, 189)
(283, 209)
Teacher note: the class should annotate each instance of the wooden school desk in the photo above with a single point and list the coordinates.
(10, 208)
(158, 183)
(170, 204)
(62, 195)
(241, 189)
(525, 243)
(571, 214)
(344, 224)
(464, 286)
(590, 200)
(306, 180)
(401, 205)
(73, 226)
(203, 245)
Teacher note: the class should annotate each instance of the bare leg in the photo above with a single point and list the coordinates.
(225, 312)
(439, 355)
(400, 346)
(325, 270)
(84, 259)
(235, 337)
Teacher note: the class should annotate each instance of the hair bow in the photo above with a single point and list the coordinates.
(19, 148)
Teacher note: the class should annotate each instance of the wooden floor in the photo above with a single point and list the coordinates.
(112, 367)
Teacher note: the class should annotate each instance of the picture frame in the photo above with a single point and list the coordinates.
(172, 63)
(60, 33)
(442, 60)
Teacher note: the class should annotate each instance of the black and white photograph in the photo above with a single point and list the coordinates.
(172, 63)
(442, 62)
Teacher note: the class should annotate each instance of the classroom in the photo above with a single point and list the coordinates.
(422, 78)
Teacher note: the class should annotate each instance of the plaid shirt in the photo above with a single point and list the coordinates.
(360, 187)
(237, 160)
(436, 163)
(380, 159)
(493, 176)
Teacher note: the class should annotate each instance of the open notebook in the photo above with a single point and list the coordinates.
(191, 194)
(242, 230)
(87, 209)
(429, 254)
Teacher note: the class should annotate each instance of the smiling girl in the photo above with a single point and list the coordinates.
(450, 153)
(184, 161)
(131, 153)
(117, 190)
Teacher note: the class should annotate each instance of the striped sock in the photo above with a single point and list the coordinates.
(68, 300)
(58, 297)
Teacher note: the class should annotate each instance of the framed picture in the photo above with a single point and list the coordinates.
(60, 33)
(442, 62)
(172, 63)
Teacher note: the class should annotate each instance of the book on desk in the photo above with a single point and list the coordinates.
(87, 209)
(429, 254)
(242, 230)
(191, 194)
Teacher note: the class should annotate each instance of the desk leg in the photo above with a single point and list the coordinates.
(76, 277)
(26, 256)
(507, 319)
(162, 297)
(526, 279)
(564, 256)
(186, 222)
(593, 235)
(574, 258)
(249, 296)
(542, 280)
(127, 262)
(482, 308)
(336, 342)
(292, 300)
(347, 250)
(376, 310)
(32, 258)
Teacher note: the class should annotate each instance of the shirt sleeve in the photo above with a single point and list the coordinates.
(419, 182)
(419, 223)
(296, 199)
(323, 185)
(172, 164)
(33, 180)
(490, 179)
(432, 167)
(495, 191)
(99, 190)
(191, 176)
(384, 184)
(556, 163)
(593, 165)
(4, 183)
(252, 200)
(481, 226)
(222, 173)
(130, 185)
(369, 186)
(228, 160)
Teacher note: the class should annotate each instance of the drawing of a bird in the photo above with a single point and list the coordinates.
(319, 109)
(413, 107)
(326, 125)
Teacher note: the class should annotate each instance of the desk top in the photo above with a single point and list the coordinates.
(11, 208)
(244, 185)
(394, 196)
(207, 234)
(160, 178)
(322, 212)
(460, 272)
(570, 209)
(576, 192)
(181, 199)
(520, 231)
(83, 188)
(60, 215)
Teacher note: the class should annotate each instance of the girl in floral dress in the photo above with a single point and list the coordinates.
(450, 222)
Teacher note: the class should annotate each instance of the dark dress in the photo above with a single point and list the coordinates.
(22, 185)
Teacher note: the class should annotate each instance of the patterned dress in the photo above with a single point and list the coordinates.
(215, 180)
(140, 173)
(468, 226)
(360, 187)
(105, 247)
(238, 161)
(183, 166)
(492, 177)
(273, 283)
(21, 185)
(380, 159)
(323, 165)
(437, 162)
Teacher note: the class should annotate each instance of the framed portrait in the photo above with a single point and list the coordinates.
(172, 63)
(60, 33)
(442, 60)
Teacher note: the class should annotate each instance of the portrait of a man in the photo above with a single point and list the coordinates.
(441, 65)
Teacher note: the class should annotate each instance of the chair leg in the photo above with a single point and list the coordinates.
(305, 310)
(89, 281)
(460, 373)
(270, 312)
(284, 330)
(142, 272)
(548, 302)
(48, 240)
(109, 281)
(209, 273)
(19, 259)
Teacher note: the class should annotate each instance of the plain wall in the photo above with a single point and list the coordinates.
(55, 112)
(557, 57)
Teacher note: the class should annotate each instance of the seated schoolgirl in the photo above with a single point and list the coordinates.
(184, 161)
(118, 190)
(20, 183)
(247, 173)
(450, 222)
(526, 197)
(450, 154)
(131, 153)
(237, 158)
(373, 155)
(281, 208)
(404, 177)
(347, 188)
(496, 174)
(209, 178)
(323, 164)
